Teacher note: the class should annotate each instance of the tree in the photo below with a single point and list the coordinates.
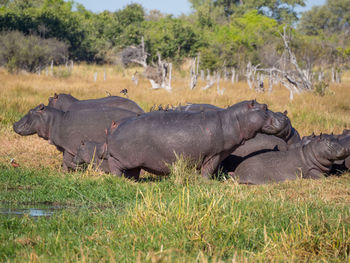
(171, 37)
(281, 10)
(333, 17)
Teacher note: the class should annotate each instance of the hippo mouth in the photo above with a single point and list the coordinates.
(77, 160)
(272, 126)
(342, 153)
(23, 128)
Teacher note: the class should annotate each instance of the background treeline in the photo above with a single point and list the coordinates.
(225, 32)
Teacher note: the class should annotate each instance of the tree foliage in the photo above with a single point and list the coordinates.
(225, 32)
(30, 53)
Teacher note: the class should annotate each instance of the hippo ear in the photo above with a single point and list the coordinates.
(114, 125)
(82, 142)
(40, 108)
(285, 113)
(106, 131)
(251, 104)
(55, 96)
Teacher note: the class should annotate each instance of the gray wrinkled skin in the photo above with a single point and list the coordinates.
(338, 166)
(66, 130)
(92, 151)
(153, 140)
(308, 161)
(67, 102)
(259, 144)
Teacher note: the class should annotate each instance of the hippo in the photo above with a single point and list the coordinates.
(153, 140)
(339, 166)
(67, 102)
(261, 143)
(92, 151)
(66, 130)
(307, 161)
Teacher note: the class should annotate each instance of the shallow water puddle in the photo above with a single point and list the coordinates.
(35, 212)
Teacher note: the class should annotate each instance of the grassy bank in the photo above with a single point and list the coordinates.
(179, 218)
(113, 219)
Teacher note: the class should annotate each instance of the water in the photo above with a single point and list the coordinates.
(34, 212)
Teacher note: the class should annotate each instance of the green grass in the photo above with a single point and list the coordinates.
(177, 218)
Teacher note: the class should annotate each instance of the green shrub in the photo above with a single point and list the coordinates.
(320, 88)
(30, 53)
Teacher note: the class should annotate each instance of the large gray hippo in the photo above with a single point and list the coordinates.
(307, 161)
(153, 140)
(67, 102)
(259, 144)
(66, 130)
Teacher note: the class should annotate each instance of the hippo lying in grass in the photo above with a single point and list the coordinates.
(261, 143)
(153, 140)
(308, 161)
(66, 130)
(67, 102)
(339, 166)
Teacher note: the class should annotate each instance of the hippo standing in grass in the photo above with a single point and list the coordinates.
(66, 130)
(152, 141)
(67, 102)
(95, 152)
(259, 144)
(307, 161)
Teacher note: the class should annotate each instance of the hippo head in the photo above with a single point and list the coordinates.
(248, 105)
(61, 101)
(261, 120)
(330, 148)
(33, 122)
(89, 151)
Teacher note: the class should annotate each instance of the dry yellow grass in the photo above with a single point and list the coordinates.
(19, 93)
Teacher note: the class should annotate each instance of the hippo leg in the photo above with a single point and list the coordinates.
(314, 174)
(133, 173)
(114, 166)
(68, 164)
(210, 167)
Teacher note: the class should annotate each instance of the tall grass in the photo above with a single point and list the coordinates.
(19, 93)
(179, 218)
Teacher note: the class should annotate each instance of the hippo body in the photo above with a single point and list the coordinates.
(197, 108)
(67, 102)
(66, 130)
(92, 151)
(307, 161)
(153, 141)
(261, 143)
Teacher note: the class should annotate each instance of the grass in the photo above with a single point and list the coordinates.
(179, 218)
(110, 218)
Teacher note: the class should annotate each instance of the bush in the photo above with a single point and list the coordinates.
(320, 88)
(30, 53)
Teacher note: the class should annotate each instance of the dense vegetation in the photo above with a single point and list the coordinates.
(225, 32)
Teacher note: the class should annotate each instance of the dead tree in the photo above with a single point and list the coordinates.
(194, 72)
(158, 74)
(233, 75)
(287, 72)
(193, 75)
(210, 81)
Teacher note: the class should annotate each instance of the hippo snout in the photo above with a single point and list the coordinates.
(343, 153)
(77, 160)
